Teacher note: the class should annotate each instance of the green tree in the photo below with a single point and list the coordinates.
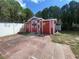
(54, 12)
(51, 12)
(38, 14)
(45, 13)
(70, 15)
(11, 11)
(27, 14)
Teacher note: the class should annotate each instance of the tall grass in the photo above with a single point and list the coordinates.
(70, 38)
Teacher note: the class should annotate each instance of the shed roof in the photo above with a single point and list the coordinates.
(35, 18)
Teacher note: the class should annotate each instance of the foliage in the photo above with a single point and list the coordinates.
(70, 15)
(28, 13)
(54, 12)
(51, 12)
(39, 14)
(45, 13)
(11, 11)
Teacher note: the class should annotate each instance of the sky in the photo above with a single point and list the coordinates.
(37, 5)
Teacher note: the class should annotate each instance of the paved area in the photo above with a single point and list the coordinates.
(33, 47)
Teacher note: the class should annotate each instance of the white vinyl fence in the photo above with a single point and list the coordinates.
(9, 28)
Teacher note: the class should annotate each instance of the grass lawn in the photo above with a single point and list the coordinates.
(1, 57)
(70, 38)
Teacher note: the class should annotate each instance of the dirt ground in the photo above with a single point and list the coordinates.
(33, 47)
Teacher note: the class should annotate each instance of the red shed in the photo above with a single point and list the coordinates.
(40, 25)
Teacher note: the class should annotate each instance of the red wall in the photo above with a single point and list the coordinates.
(46, 27)
(34, 29)
(28, 27)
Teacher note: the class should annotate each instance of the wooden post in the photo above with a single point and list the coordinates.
(31, 26)
(50, 26)
(53, 26)
(42, 25)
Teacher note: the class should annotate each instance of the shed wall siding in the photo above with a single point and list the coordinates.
(45, 27)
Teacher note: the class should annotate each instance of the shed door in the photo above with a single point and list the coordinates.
(46, 27)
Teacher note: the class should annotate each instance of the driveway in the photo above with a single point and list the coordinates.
(33, 47)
